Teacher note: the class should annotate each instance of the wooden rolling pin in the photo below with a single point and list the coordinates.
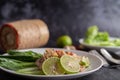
(23, 34)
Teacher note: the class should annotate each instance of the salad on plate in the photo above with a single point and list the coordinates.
(96, 38)
(52, 62)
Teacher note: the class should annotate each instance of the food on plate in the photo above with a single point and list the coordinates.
(13, 64)
(31, 70)
(71, 47)
(69, 64)
(64, 40)
(23, 34)
(23, 56)
(52, 62)
(51, 66)
(95, 37)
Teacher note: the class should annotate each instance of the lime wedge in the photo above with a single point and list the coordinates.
(69, 64)
(52, 66)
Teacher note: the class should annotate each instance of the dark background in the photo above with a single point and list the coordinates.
(71, 17)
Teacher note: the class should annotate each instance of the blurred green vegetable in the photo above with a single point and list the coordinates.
(84, 62)
(21, 58)
(116, 42)
(94, 37)
(31, 70)
(28, 56)
(102, 36)
(91, 33)
(25, 53)
(21, 62)
(15, 64)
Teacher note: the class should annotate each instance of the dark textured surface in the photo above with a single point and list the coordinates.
(102, 74)
(70, 17)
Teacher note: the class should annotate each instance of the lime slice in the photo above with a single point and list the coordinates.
(52, 66)
(64, 40)
(69, 64)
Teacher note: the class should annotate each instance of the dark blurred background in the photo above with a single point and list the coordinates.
(71, 17)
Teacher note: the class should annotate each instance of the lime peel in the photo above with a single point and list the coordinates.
(64, 40)
(69, 64)
(51, 66)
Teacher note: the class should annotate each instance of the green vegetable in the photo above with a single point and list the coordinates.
(106, 43)
(102, 36)
(94, 37)
(15, 64)
(21, 62)
(91, 33)
(31, 70)
(21, 58)
(116, 42)
(25, 53)
(85, 61)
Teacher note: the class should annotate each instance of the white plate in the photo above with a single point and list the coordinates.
(110, 48)
(96, 64)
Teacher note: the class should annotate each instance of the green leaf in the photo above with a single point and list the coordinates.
(25, 53)
(85, 62)
(15, 64)
(21, 58)
(91, 32)
(31, 70)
